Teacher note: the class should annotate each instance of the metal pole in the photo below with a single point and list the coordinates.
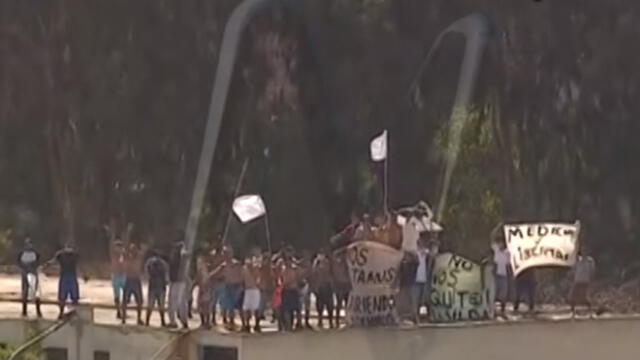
(477, 29)
(233, 32)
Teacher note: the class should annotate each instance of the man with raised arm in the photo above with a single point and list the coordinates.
(117, 255)
(67, 259)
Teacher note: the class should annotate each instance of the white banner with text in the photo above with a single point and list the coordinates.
(542, 244)
(373, 268)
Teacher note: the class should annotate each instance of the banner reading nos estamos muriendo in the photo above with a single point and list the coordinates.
(373, 268)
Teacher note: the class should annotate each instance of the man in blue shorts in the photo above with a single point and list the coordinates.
(117, 255)
(68, 288)
(231, 272)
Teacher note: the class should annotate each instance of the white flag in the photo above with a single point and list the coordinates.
(379, 147)
(249, 207)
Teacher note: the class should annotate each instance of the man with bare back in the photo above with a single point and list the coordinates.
(251, 301)
(322, 285)
(304, 274)
(341, 282)
(117, 254)
(290, 292)
(267, 286)
(217, 289)
(133, 284)
(231, 272)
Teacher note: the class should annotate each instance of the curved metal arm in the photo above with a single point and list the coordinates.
(233, 32)
(477, 29)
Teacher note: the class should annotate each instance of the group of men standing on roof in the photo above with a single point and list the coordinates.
(281, 284)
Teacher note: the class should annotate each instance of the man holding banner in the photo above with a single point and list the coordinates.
(539, 245)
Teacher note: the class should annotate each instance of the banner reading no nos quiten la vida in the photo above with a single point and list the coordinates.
(542, 244)
(373, 268)
(461, 290)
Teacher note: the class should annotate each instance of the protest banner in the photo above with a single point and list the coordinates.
(373, 269)
(542, 244)
(461, 290)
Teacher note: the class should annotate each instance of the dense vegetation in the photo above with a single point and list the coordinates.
(102, 109)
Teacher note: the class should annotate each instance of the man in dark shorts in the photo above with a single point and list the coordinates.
(232, 299)
(157, 271)
(68, 289)
(28, 262)
(407, 279)
(133, 283)
(341, 282)
(117, 254)
(526, 287)
(322, 285)
(290, 291)
(583, 272)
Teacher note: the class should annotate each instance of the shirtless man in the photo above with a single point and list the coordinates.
(157, 271)
(205, 293)
(217, 288)
(304, 273)
(267, 285)
(251, 301)
(133, 284)
(118, 276)
(341, 281)
(322, 284)
(290, 293)
(231, 272)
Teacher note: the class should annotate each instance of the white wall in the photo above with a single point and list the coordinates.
(81, 340)
(583, 340)
(568, 340)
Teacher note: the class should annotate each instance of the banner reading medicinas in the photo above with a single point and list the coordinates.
(373, 268)
(543, 244)
(461, 290)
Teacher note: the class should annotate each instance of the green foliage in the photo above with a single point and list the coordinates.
(475, 206)
(103, 106)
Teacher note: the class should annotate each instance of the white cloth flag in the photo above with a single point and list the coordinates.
(249, 207)
(379, 147)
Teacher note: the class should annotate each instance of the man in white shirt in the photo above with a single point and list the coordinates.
(421, 278)
(502, 263)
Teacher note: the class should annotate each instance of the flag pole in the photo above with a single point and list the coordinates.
(267, 231)
(386, 184)
(386, 173)
(235, 195)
